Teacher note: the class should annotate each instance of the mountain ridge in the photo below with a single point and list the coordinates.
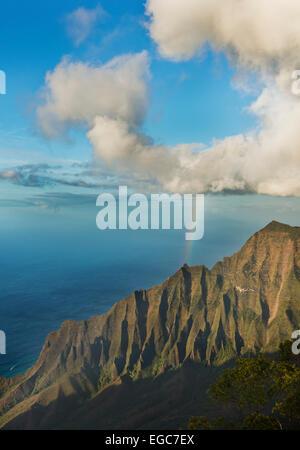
(244, 304)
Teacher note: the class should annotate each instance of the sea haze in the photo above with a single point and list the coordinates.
(56, 265)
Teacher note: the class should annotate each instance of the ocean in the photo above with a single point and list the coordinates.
(56, 265)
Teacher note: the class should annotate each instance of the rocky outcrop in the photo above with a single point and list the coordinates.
(245, 303)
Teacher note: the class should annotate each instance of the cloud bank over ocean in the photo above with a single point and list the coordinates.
(110, 101)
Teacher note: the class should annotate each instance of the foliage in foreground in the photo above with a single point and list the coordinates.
(259, 393)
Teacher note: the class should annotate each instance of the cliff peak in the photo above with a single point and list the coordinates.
(275, 226)
(247, 303)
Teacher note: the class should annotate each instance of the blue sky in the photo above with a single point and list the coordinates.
(190, 101)
(57, 265)
(190, 124)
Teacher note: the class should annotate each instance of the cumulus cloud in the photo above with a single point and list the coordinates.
(256, 32)
(111, 101)
(256, 35)
(77, 93)
(81, 22)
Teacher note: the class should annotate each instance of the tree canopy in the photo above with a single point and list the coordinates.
(257, 393)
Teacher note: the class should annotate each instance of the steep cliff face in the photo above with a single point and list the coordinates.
(245, 303)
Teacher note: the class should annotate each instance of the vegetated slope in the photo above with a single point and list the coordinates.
(197, 318)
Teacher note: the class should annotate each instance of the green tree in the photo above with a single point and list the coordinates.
(258, 393)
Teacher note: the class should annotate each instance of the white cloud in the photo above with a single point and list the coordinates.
(257, 32)
(76, 93)
(111, 101)
(81, 22)
(257, 35)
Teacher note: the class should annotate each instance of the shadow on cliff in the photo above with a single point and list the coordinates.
(164, 402)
